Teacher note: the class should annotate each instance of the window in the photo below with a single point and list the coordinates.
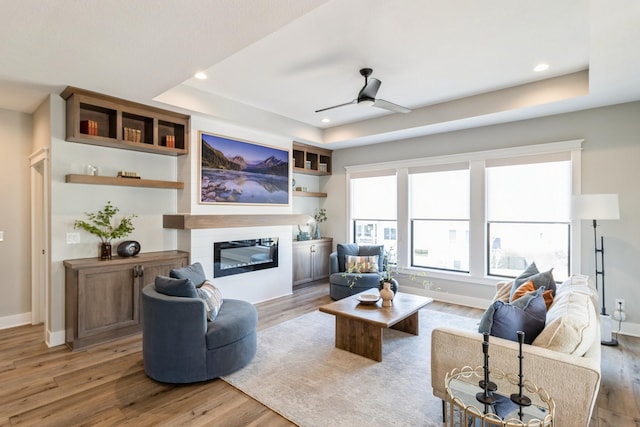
(472, 216)
(373, 210)
(439, 217)
(528, 217)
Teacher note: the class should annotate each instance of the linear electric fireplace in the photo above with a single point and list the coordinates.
(242, 256)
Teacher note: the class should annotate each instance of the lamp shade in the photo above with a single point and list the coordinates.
(595, 206)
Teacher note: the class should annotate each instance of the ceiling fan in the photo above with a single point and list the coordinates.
(367, 96)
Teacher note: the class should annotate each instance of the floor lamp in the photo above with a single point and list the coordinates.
(594, 207)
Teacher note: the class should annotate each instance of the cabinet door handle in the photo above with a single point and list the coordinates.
(141, 267)
(313, 248)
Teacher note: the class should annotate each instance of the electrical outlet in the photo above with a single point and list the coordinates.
(620, 306)
(619, 315)
(73, 238)
(1, 236)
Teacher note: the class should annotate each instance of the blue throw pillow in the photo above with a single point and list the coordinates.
(176, 287)
(505, 320)
(539, 279)
(343, 250)
(194, 272)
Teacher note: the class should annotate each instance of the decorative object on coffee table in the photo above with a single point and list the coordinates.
(100, 224)
(387, 295)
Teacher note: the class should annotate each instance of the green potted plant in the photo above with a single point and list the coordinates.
(101, 224)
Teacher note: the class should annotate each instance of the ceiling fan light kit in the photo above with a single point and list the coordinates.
(367, 96)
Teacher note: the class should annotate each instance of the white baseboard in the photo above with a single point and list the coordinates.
(52, 339)
(627, 328)
(55, 338)
(15, 320)
(465, 300)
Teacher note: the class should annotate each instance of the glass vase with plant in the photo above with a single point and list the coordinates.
(319, 216)
(101, 224)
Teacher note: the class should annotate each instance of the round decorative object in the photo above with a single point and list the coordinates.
(128, 248)
(368, 299)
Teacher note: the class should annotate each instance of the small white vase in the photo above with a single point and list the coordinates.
(386, 294)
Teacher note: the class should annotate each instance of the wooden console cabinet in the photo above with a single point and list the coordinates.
(102, 298)
(311, 260)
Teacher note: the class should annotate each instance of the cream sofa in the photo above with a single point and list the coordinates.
(572, 380)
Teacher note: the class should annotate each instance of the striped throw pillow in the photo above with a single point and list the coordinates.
(212, 298)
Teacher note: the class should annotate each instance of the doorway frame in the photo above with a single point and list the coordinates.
(40, 240)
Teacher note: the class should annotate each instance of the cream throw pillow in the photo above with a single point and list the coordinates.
(572, 321)
(503, 289)
(362, 264)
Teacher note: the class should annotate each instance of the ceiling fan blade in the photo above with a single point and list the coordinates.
(336, 106)
(381, 103)
(369, 90)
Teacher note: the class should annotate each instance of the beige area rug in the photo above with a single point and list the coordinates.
(298, 373)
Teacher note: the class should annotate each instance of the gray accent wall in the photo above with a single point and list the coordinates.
(15, 221)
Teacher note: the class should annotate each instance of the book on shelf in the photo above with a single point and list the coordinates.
(89, 127)
(126, 174)
(170, 141)
(133, 135)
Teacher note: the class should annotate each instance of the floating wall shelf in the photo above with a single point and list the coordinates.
(125, 182)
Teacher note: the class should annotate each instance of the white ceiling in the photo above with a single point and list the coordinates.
(271, 64)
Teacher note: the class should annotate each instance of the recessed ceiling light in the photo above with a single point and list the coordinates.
(325, 120)
(200, 75)
(541, 67)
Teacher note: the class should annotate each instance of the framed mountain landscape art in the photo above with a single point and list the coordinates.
(242, 172)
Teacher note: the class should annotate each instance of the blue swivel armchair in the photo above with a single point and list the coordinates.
(179, 345)
(343, 283)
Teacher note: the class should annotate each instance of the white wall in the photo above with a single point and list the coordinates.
(611, 153)
(15, 220)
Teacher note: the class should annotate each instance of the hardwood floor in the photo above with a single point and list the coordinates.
(106, 385)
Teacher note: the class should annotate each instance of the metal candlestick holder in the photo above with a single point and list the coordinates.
(488, 387)
(520, 398)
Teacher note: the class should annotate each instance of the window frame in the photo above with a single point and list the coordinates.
(477, 230)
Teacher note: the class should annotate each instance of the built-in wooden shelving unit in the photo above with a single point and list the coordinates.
(97, 119)
(311, 160)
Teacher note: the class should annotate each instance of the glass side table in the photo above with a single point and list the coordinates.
(465, 410)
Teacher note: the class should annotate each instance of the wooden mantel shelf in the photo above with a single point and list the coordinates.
(200, 221)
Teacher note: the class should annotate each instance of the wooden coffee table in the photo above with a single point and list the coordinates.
(359, 327)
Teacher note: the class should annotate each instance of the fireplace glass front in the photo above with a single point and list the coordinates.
(242, 256)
